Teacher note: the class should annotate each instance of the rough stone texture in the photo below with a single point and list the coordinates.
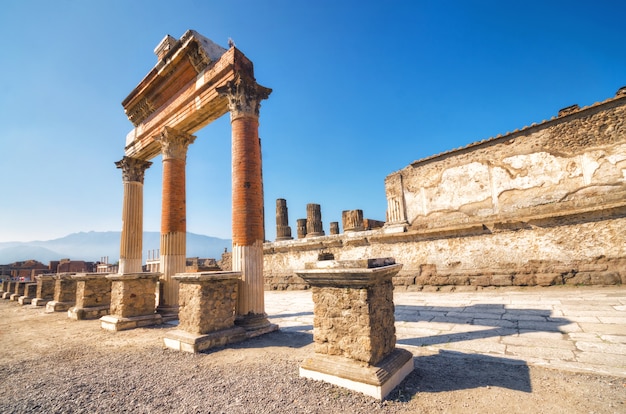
(355, 323)
(133, 297)
(92, 291)
(542, 206)
(45, 287)
(64, 288)
(208, 306)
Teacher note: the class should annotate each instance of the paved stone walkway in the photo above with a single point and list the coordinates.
(566, 328)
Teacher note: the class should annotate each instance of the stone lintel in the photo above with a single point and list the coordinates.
(207, 276)
(134, 276)
(374, 380)
(116, 323)
(56, 306)
(91, 312)
(180, 340)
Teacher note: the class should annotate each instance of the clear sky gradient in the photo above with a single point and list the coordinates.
(360, 89)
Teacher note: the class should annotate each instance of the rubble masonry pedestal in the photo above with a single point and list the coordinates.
(133, 302)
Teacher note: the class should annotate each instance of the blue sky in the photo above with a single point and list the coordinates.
(360, 90)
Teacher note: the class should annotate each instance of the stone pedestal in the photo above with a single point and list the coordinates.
(64, 293)
(354, 331)
(4, 285)
(45, 290)
(93, 296)
(10, 289)
(334, 227)
(207, 302)
(30, 291)
(133, 302)
(18, 291)
(301, 228)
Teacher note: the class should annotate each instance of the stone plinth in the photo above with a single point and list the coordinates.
(64, 293)
(18, 291)
(10, 289)
(93, 296)
(354, 332)
(45, 290)
(207, 302)
(4, 285)
(30, 291)
(133, 302)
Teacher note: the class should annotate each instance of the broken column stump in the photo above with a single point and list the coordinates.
(93, 296)
(30, 291)
(206, 313)
(45, 289)
(354, 332)
(133, 302)
(64, 293)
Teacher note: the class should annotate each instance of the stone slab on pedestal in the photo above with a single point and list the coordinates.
(354, 326)
(375, 380)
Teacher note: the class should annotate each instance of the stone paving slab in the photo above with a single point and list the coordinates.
(570, 328)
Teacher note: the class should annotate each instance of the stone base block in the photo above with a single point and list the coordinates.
(194, 343)
(116, 323)
(40, 302)
(55, 306)
(6, 295)
(374, 380)
(14, 297)
(24, 300)
(92, 312)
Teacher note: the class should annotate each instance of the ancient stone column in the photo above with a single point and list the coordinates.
(283, 231)
(174, 146)
(352, 220)
(396, 207)
(334, 227)
(133, 171)
(244, 97)
(301, 227)
(314, 220)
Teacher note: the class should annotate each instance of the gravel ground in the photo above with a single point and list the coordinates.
(50, 364)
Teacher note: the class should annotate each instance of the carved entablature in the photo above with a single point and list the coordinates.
(198, 58)
(133, 169)
(138, 113)
(244, 96)
(174, 143)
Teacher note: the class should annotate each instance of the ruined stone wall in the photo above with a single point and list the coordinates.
(542, 206)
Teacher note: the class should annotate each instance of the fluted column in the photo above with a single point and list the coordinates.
(174, 146)
(244, 97)
(133, 171)
(314, 220)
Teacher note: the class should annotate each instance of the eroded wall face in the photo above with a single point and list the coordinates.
(568, 166)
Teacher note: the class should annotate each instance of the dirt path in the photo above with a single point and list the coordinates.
(49, 363)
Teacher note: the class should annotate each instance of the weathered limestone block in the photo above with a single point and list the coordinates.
(207, 311)
(93, 296)
(64, 293)
(133, 302)
(45, 289)
(352, 220)
(354, 332)
(18, 291)
(10, 289)
(30, 290)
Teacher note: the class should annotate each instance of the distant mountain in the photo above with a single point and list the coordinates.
(92, 246)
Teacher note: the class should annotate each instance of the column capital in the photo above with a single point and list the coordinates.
(133, 169)
(174, 143)
(244, 96)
